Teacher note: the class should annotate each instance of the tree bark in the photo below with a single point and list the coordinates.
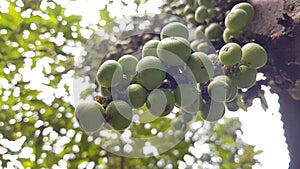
(290, 111)
(277, 27)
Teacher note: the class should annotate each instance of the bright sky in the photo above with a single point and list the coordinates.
(262, 129)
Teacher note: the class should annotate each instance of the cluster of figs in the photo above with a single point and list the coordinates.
(172, 75)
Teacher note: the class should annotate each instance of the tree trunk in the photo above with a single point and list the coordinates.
(290, 111)
(277, 27)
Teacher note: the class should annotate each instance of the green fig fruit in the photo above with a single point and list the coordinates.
(90, 116)
(137, 95)
(150, 48)
(151, 72)
(119, 114)
(160, 102)
(254, 55)
(173, 51)
(201, 66)
(174, 29)
(128, 63)
(109, 74)
(230, 54)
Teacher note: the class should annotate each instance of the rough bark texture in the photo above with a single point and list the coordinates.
(277, 27)
(289, 109)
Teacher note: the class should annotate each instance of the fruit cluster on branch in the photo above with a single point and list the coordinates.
(174, 72)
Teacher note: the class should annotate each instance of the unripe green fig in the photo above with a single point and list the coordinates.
(110, 73)
(236, 20)
(137, 95)
(191, 18)
(174, 29)
(232, 86)
(203, 47)
(160, 102)
(228, 34)
(254, 55)
(247, 7)
(201, 14)
(199, 32)
(90, 116)
(173, 51)
(201, 66)
(150, 48)
(246, 77)
(128, 63)
(185, 95)
(194, 45)
(188, 10)
(230, 54)
(222, 88)
(218, 90)
(119, 114)
(213, 111)
(213, 31)
(151, 72)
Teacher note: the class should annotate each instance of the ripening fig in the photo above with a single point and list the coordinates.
(236, 20)
(137, 95)
(201, 66)
(191, 18)
(173, 51)
(174, 29)
(230, 54)
(150, 72)
(203, 47)
(90, 116)
(213, 111)
(222, 88)
(199, 32)
(160, 102)
(185, 95)
(128, 63)
(194, 44)
(150, 48)
(213, 31)
(228, 34)
(188, 10)
(246, 77)
(119, 114)
(201, 14)
(218, 90)
(247, 7)
(110, 73)
(254, 55)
